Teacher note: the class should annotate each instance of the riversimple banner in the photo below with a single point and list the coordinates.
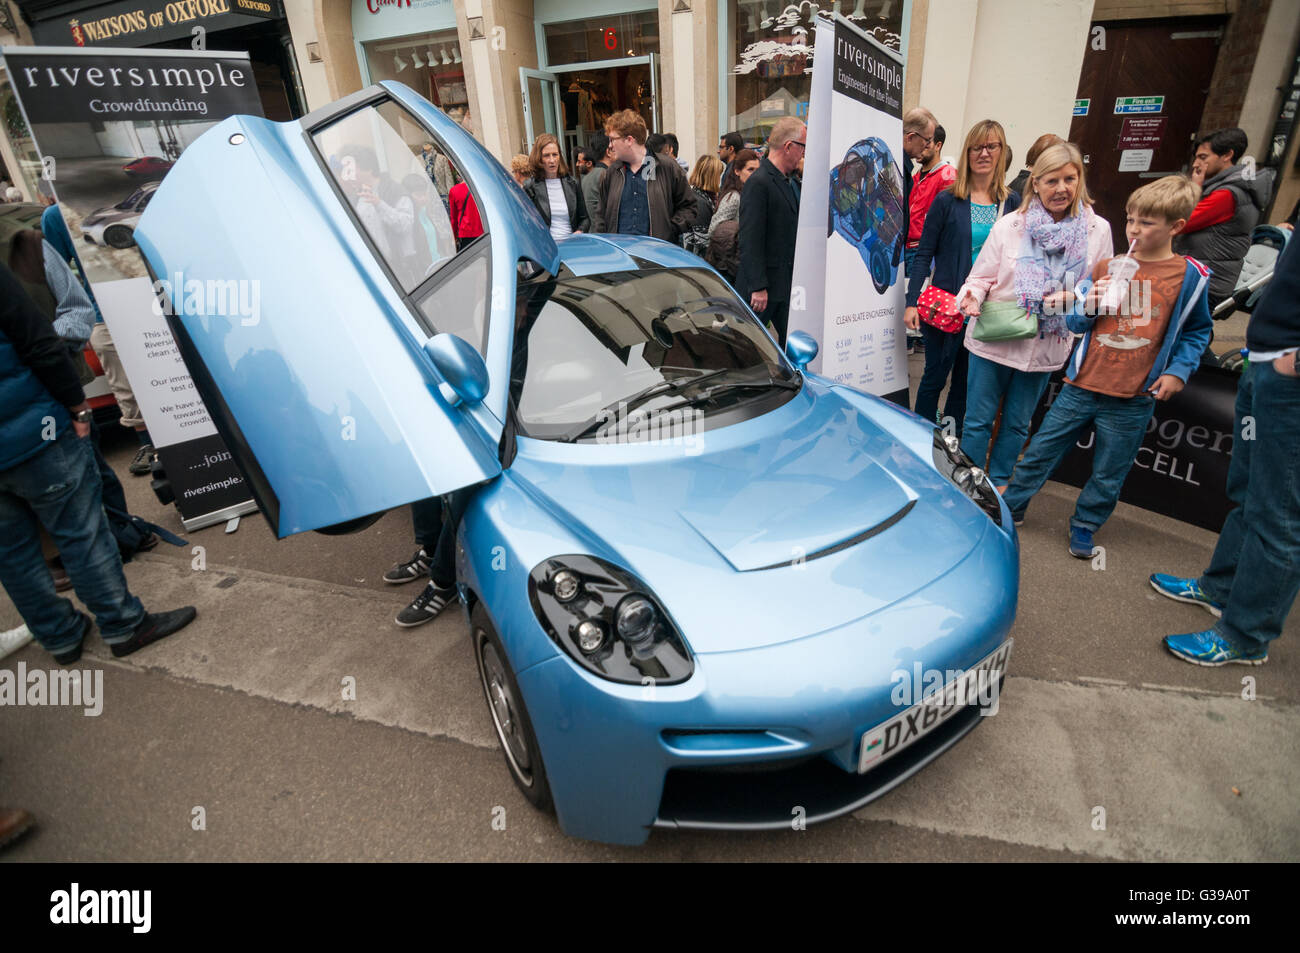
(848, 283)
(109, 124)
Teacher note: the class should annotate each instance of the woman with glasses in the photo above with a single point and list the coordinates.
(1024, 278)
(955, 229)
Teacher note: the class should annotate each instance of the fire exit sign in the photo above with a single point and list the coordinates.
(1139, 104)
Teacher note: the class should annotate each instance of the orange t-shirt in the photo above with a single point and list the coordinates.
(1124, 346)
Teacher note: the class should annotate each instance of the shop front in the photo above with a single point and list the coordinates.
(767, 46)
(590, 67)
(415, 42)
(256, 26)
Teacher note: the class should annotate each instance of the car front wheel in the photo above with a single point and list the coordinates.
(119, 237)
(506, 705)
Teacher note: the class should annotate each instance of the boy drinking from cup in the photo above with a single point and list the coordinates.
(1127, 360)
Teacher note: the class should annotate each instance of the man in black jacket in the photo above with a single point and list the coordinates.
(769, 223)
(48, 478)
(1254, 574)
(642, 194)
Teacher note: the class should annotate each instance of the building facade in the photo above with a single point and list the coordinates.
(1123, 78)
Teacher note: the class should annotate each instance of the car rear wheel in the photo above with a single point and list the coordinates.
(119, 236)
(509, 716)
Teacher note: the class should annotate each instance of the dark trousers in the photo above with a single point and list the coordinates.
(1255, 569)
(442, 564)
(944, 354)
(426, 520)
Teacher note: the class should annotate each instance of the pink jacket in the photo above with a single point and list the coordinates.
(994, 275)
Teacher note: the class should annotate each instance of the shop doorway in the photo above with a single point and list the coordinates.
(572, 102)
(1144, 93)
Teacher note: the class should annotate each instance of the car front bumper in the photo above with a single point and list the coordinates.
(757, 738)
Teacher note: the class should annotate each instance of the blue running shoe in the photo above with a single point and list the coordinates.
(1185, 590)
(1209, 648)
(1081, 543)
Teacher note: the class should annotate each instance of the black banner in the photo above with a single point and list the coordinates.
(142, 22)
(864, 73)
(76, 86)
(203, 476)
(1181, 469)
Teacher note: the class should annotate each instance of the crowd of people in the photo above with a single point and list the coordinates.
(1007, 282)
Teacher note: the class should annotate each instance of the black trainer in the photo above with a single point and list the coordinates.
(417, 567)
(155, 626)
(143, 457)
(426, 606)
(73, 655)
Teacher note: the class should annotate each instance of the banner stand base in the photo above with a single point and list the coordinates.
(220, 516)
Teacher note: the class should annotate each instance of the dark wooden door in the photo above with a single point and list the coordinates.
(1173, 59)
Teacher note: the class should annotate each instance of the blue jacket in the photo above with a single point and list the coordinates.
(945, 241)
(37, 379)
(1186, 337)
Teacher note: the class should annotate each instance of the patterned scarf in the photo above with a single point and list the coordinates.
(1052, 258)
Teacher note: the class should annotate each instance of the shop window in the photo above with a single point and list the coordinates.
(397, 181)
(602, 38)
(431, 64)
(771, 55)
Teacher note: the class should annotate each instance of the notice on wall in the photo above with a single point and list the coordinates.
(1135, 160)
(1081, 106)
(1142, 133)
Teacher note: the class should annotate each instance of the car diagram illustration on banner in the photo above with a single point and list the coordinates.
(866, 208)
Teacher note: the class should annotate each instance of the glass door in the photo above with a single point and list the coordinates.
(541, 104)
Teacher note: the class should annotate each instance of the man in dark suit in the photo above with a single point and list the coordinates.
(769, 220)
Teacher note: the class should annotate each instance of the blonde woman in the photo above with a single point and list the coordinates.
(704, 180)
(1033, 258)
(956, 227)
(520, 169)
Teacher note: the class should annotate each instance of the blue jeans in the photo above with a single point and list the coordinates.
(944, 354)
(60, 488)
(1120, 424)
(988, 385)
(1255, 569)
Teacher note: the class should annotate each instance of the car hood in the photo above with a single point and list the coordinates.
(808, 517)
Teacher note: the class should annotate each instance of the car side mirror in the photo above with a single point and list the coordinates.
(801, 348)
(461, 368)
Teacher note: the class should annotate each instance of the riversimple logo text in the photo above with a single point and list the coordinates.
(78, 906)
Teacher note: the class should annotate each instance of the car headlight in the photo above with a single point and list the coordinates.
(608, 621)
(967, 477)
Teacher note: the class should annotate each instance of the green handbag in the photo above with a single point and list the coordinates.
(1004, 321)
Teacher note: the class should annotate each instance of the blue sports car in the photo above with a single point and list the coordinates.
(705, 588)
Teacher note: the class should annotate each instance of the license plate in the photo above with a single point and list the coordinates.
(972, 686)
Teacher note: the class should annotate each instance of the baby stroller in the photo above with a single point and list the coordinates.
(1266, 244)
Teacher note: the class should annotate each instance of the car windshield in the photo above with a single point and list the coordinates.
(592, 351)
(130, 200)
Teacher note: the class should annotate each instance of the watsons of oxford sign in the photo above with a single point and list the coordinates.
(141, 22)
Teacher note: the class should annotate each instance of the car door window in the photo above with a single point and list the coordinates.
(397, 181)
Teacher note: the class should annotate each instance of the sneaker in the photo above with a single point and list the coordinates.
(14, 822)
(1018, 517)
(143, 458)
(426, 606)
(1081, 543)
(155, 626)
(1185, 590)
(73, 655)
(13, 640)
(1211, 649)
(416, 567)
